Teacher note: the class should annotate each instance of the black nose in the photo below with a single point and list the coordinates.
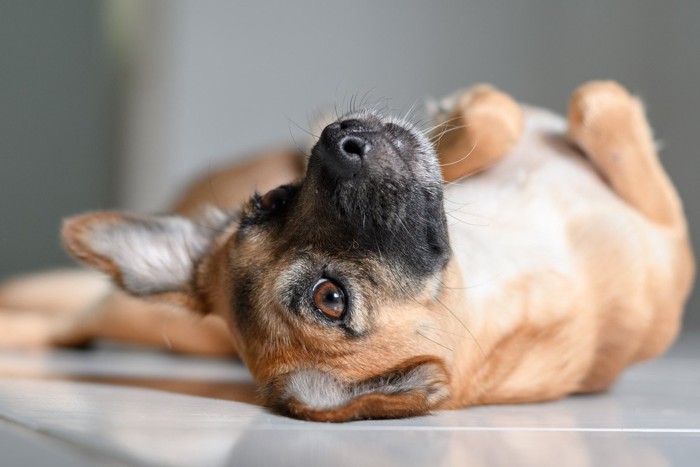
(343, 147)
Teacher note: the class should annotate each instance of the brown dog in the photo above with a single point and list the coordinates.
(530, 260)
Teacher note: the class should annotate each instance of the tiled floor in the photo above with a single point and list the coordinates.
(127, 407)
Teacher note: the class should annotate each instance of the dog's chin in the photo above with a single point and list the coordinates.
(414, 387)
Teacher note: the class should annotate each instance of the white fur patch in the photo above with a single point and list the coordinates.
(156, 254)
(319, 390)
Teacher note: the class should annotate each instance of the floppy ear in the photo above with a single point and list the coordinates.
(413, 388)
(146, 255)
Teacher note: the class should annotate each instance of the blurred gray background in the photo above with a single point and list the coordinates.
(119, 103)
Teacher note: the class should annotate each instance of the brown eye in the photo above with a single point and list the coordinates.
(329, 298)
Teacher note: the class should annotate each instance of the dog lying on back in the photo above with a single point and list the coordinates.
(508, 256)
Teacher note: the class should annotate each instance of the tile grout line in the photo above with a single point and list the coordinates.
(482, 429)
(92, 452)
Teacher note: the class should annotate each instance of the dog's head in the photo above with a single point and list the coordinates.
(325, 283)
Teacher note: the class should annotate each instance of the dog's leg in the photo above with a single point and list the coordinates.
(73, 308)
(610, 127)
(123, 318)
(58, 292)
(118, 317)
(34, 306)
(478, 127)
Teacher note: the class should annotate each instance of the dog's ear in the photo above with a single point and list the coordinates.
(413, 388)
(146, 255)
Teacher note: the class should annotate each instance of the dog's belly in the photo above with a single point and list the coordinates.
(546, 249)
(515, 219)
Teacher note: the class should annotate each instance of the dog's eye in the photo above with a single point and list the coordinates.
(273, 199)
(329, 298)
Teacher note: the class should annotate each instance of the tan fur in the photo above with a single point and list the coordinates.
(534, 335)
(483, 126)
(373, 405)
(234, 185)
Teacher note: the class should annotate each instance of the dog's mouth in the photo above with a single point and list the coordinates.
(373, 184)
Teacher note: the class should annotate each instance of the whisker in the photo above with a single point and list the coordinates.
(471, 151)
(454, 315)
(448, 130)
(335, 100)
(444, 331)
(436, 141)
(321, 116)
(300, 127)
(407, 114)
(366, 96)
(445, 123)
(353, 100)
(296, 143)
(434, 341)
(465, 222)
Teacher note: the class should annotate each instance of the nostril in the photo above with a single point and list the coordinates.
(355, 146)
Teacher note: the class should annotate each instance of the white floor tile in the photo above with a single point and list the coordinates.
(148, 408)
(21, 446)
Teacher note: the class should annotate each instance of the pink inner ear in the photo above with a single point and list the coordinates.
(410, 389)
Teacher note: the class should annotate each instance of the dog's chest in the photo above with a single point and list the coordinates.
(513, 222)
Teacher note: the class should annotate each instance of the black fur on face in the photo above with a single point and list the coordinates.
(369, 214)
(386, 201)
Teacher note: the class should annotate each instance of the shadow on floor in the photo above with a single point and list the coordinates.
(224, 390)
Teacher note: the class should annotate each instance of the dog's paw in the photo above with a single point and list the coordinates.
(604, 119)
(475, 128)
(476, 102)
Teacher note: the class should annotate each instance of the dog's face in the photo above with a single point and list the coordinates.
(326, 283)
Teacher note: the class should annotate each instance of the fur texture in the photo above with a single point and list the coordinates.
(531, 257)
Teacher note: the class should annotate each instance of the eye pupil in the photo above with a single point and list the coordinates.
(332, 297)
(329, 298)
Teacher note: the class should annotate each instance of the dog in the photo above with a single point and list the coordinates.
(508, 255)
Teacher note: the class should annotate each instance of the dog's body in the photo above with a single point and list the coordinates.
(561, 269)
(544, 246)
